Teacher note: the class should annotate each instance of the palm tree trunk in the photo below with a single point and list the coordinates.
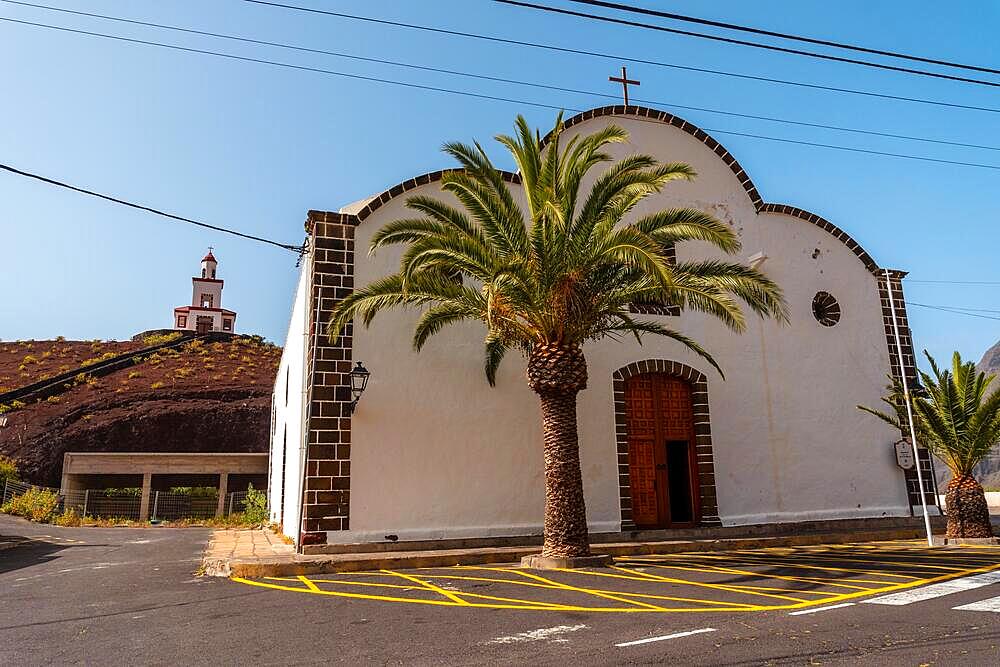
(968, 513)
(557, 374)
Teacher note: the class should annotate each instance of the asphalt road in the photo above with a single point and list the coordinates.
(131, 596)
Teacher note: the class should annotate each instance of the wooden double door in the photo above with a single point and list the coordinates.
(662, 462)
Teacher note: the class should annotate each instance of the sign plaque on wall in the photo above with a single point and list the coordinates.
(904, 455)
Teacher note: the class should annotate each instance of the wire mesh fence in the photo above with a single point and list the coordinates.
(165, 506)
(127, 504)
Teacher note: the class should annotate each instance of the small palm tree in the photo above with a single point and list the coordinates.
(561, 273)
(959, 422)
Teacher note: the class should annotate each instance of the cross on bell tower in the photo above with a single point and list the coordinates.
(625, 81)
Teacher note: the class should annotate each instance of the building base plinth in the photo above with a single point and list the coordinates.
(540, 562)
(964, 541)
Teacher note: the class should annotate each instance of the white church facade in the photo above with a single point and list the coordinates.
(431, 451)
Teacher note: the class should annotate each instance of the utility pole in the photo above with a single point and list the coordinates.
(909, 408)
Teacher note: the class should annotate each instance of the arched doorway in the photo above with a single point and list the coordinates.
(662, 456)
(689, 400)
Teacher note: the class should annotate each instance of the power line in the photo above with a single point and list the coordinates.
(275, 63)
(319, 70)
(484, 77)
(623, 58)
(742, 42)
(116, 200)
(466, 93)
(783, 35)
(953, 311)
(956, 282)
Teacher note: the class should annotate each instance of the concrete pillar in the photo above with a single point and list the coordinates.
(223, 491)
(147, 485)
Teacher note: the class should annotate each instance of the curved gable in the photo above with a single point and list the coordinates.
(760, 206)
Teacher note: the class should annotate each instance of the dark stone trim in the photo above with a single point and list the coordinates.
(380, 200)
(702, 439)
(326, 492)
(909, 367)
(825, 225)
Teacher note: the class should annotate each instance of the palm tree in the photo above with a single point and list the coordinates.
(548, 279)
(959, 422)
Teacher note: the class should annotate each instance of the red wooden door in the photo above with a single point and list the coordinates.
(659, 414)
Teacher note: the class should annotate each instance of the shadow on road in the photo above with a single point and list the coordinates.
(29, 552)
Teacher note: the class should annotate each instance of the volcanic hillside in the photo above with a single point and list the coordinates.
(989, 470)
(199, 397)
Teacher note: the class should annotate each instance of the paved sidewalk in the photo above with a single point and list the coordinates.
(245, 546)
(261, 553)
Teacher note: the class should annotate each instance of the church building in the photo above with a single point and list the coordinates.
(205, 314)
(371, 441)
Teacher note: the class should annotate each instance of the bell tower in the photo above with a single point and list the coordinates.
(206, 314)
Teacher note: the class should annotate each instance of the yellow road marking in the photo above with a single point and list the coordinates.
(732, 588)
(351, 583)
(718, 565)
(429, 586)
(587, 591)
(447, 603)
(729, 570)
(724, 571)
(784, 563)
(597, 590)
(310, 585)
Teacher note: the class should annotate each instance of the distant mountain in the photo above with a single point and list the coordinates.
(990, 363)
(989, 470)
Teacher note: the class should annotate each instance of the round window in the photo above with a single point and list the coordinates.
(826, 310)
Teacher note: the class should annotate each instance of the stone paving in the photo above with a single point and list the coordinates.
(249, 546)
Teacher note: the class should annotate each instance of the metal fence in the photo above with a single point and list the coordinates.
(163, 506)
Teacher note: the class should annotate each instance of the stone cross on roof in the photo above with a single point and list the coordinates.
(625, 81)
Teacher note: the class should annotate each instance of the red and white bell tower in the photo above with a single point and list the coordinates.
(205, 314)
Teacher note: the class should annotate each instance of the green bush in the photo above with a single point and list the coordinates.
(35, 504)
(69, 517)
(196, 491)
(255, 506)
(123, 491)
(8, 470)
(157, 339)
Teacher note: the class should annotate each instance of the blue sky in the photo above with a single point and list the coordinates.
(254, 147)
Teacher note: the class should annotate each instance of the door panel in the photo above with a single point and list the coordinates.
(662, 475)
(642, 481)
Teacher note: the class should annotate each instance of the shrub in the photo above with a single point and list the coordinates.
(196, 491)
(30, 359)
(156, 385)
(134, 374)
(8, 470)
(68, 518)
(60, 339)
(34, 504)
(123, 491)
(255, 506)
(159, 339)
(53, 399)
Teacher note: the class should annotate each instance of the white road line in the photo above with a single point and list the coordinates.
(676, 635)
(992, 604)
(813, 611)
(537, 635)
(937, 590)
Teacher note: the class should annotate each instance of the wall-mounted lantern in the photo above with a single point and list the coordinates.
(359, 380)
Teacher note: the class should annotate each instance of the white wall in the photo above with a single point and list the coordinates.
(213, 289)
(436, 452)
(289, 409)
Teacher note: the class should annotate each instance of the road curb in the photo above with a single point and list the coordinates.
(258, 567)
